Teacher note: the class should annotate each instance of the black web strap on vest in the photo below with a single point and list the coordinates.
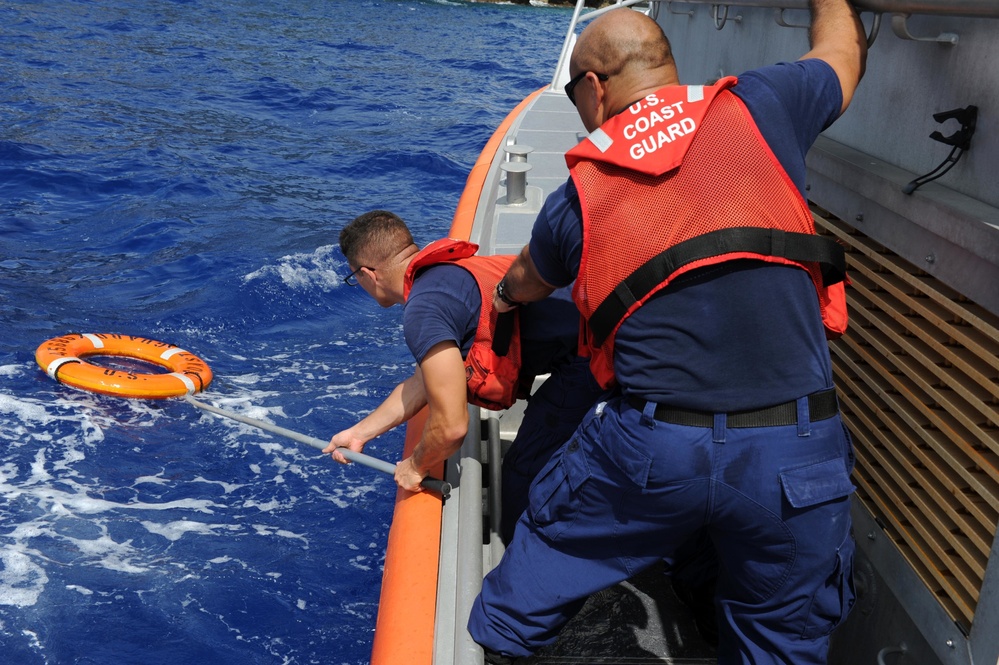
(801, 247)
(503, 333)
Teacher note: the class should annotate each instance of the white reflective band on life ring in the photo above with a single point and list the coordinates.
(191, 389)
(56, 364)
(95, 340)
(169, 352)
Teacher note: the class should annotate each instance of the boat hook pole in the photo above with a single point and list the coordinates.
(441, 486)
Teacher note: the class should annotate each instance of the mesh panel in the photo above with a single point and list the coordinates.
(728, 178)
(492, 381)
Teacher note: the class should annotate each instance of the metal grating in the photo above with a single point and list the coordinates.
(918, 379)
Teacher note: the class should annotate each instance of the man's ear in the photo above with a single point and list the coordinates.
(598, 99)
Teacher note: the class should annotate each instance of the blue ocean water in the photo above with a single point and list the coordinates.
(179, 169)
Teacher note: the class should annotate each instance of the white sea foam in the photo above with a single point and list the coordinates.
(345, 496)
(21, 580)
(359, 563)
(105, 552)
(155, 480)
(55, 502)
(25, 411)
(268, 530)
(321, 268)
(176, 530)
(264, 506)
(227, 487)
(78, 502)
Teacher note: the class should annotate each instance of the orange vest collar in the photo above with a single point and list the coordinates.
(652, 135)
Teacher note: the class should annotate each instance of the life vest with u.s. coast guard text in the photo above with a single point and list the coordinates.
(680, 180)
(492, 366)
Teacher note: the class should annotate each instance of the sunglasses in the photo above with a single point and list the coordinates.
(570, 87)
(351, 280)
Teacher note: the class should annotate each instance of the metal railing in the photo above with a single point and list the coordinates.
(898, 9)
(971, 8)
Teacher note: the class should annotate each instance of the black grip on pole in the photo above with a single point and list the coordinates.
(442, 487)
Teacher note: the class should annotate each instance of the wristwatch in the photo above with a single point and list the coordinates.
(501, 294)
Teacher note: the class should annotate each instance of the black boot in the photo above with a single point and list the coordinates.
(494, 658)
(700, 601)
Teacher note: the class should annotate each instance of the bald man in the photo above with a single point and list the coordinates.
(707, 300)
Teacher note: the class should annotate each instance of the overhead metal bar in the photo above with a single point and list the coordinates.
(973, 8)
(899, 9)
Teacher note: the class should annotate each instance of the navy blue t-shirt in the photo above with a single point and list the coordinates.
(444, 305)
(740, 335)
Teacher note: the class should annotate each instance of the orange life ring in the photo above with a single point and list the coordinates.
(62, 359)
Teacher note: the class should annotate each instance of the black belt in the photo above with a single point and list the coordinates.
(821, 405)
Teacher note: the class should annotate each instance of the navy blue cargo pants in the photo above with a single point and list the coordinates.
(553, 413)
(627, 490)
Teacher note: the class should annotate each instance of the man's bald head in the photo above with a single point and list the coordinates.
(627, 57)
(626, 43)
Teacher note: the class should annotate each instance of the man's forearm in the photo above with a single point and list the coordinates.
(834, 20)
(443, 374)
(402, 404)
(837, 36)
(440, 441)
(522, 283)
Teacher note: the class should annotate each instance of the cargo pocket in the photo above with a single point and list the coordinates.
(806, 487)
(833, 600)
(554, 496)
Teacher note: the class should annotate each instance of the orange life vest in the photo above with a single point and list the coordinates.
(680, 180)
(492, 366)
